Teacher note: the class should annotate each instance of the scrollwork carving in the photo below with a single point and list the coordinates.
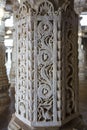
(46, 64)
(23, 10)
(69, 43)
(45, 69)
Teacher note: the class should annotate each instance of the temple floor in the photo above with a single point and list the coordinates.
(6, 116)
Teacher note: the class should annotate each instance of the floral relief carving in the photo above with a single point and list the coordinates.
(45, 71)
(46, 67)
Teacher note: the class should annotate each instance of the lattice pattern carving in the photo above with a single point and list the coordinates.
(25, 66)
(46, 88)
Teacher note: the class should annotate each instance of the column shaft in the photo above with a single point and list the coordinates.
(47, 64)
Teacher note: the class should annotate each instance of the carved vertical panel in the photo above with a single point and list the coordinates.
(69, 62)
(25, 64)
(22, 67)
(45, 48)
(47, 73)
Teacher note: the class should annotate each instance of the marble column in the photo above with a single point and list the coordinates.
(46, 65)
(4, 85)
(8, 63)
(13, 66)
(84, 41)
(81, 55)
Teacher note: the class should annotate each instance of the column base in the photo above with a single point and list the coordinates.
(76, 124)
(16, 124)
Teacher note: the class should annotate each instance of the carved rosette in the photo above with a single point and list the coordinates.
(46, 78)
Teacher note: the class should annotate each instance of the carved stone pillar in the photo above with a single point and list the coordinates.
(84, 41)
(47, 65)
(81, 54)
(4, 85)
(13, 64)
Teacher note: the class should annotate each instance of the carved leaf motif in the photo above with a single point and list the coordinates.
(45, 70)
(45, 8)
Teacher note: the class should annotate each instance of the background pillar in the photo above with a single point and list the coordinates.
(4, 85)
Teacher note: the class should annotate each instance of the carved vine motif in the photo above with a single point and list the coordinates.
(45, 70)
(70, 60)
(70, 92)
